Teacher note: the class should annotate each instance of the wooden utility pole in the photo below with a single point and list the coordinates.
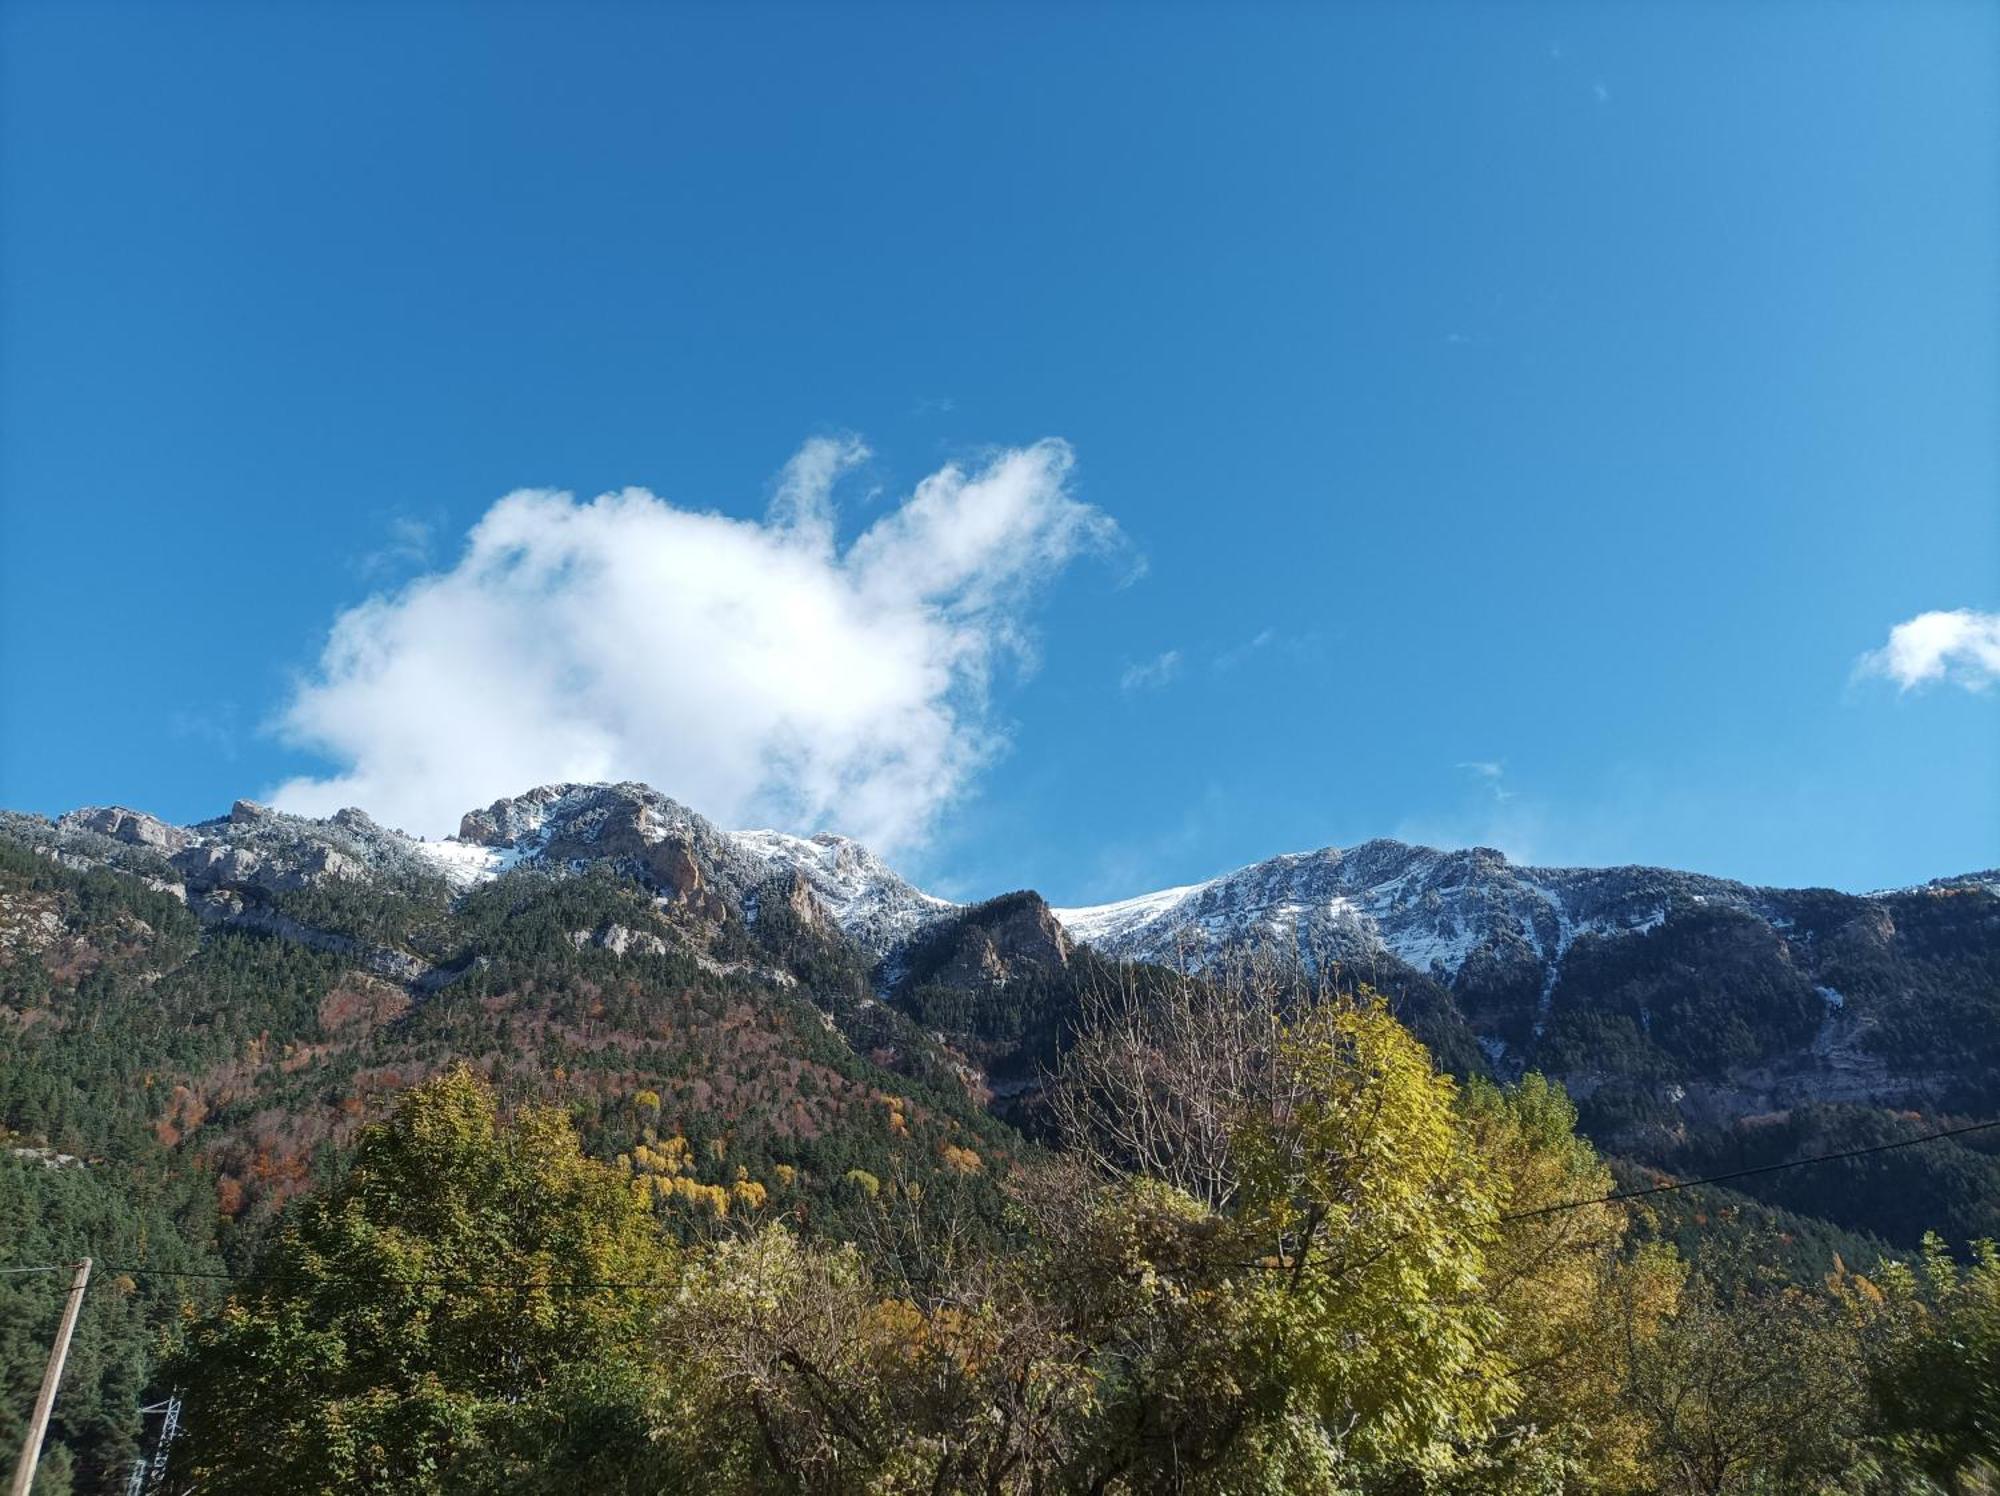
(31, 1447)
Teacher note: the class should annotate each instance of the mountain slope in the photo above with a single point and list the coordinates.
(1656, 994)
(1431, 909)
(194, 1021)
(1729, 998)
(1665, 1001)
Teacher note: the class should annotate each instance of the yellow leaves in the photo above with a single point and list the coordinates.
(673, 1156)
(678, 1189)
(665, 1172)
(786, 1175)
(647, 1101)
(864, 1181)
(1865, 1290)
(1368, 1129)
(1856, 1290)
(1361, 1178)
(899, 1125)
(894, 1329)
(961, 1160)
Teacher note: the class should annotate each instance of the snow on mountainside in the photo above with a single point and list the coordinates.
(1662, 999)
(1428, 908)
(1434, 910)
(872, 905)
(257, 852)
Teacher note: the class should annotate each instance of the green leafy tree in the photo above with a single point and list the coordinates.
(417, 1327)
(1573, 1296)
(1758, 1390)
(1934, 1367)
(1370, 1213)
(1292, 1288)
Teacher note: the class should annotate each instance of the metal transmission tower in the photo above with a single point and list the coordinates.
(149, 1477)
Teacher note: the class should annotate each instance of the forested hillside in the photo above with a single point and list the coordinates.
(629, 1164)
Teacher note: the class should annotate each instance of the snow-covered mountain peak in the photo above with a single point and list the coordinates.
(1106, 924)
(567, 825)
(875, 906)
(1429, 908)
(578, 814)
(1445, 913)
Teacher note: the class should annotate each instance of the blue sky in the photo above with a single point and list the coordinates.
(1511, 424)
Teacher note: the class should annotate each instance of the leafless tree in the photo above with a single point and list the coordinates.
(1168, 1063)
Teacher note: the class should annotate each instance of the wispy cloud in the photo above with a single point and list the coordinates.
(758, 670)
(1484, 812)
(1961, 646)
(1559, 57)
(406, 547)
(1236, 654)
(1490, 774)
(1151, 675)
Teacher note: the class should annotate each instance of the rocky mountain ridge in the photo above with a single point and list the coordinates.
(1459, 917)
(1678, 1009)
(684, 859)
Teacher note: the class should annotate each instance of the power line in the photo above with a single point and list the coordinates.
(586, 1285)
(1793, 1163)
(582, 1285)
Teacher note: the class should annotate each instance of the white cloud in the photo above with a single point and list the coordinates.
(757, 671)
(1155, 672)
(1962, 646)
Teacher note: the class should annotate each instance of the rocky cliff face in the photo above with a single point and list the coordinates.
(1432, 910)
(1008, 939)
(681, 857)
(1656, 990)
(250, 850)
(1708, 996)
(872, 905)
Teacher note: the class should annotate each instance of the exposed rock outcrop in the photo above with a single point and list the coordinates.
(133, 827)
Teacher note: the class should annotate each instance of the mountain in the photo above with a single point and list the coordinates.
(1664, 1000)
(249, 983)
(236, 869)
(1433, 910)
(196, 1020)
(1675, 995)
(1738, 998)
